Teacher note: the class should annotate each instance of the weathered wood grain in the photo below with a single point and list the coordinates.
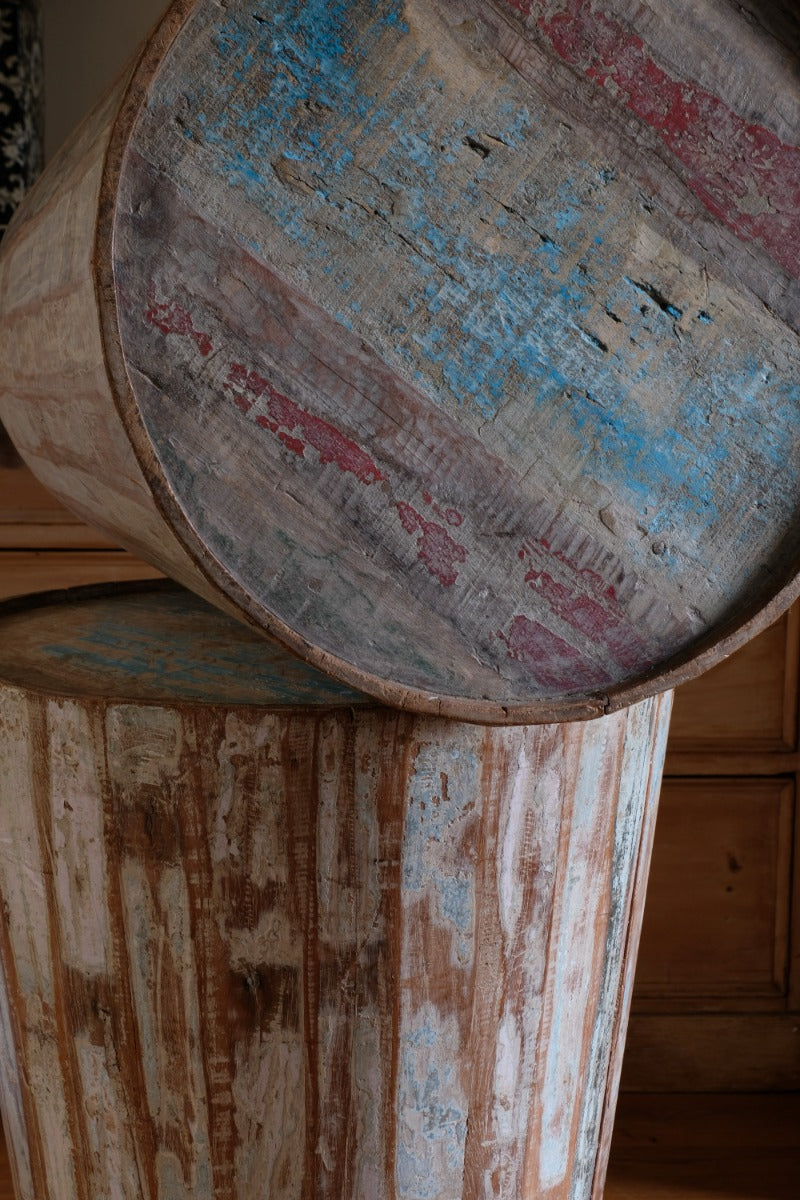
(670, 1148)
(455, 344)
(310, 950)
(53, 290)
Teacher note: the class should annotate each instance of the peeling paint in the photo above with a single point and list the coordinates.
(431, 1108)
(348, 952)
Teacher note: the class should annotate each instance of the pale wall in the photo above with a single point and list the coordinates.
(86, 42)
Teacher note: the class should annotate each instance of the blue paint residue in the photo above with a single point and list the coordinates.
(176, 646)
(432, 1112)
(443, 795)
(485, 324)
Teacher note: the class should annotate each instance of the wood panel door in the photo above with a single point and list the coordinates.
(717, 1000)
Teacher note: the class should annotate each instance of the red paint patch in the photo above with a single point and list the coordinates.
(591, 579)
(586, 602)
(292, 443)
(285, 418)
(742, 172)
(551, 661)
(602, 623)
(587, 576)
(451, 515)
(172, 318)
(437, 549)
(243, 402)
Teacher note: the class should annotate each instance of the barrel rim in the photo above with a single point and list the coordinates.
(719, 641)
(32, 602)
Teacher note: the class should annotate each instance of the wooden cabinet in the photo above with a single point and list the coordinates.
(717, 1000)
(717, 925)
(746, 705)
(42, 546)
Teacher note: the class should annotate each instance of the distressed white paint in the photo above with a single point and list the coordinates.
(23, 887)
(514, 836)
(107, 1123)
(528, 841)
(78, 835)
(141, 926)
(432, 1108)
(507, 1064)
(147, 747)
(336, 897)
(579, 906)
(643, 755)
(245, 736)
(14, 1126)
(21, 853)
(392, 983)
(268, 1084)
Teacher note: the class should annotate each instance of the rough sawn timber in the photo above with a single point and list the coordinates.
(453, 343)
(287, 943)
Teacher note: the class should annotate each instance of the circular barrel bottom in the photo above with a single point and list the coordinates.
(264, 938)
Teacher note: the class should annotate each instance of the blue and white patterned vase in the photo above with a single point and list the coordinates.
(20, 101)
(21, 120)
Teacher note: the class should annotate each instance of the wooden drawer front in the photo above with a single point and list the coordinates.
(31, 518)
(748, 702)
(716, 923)
(713, 1052)
(45, 570)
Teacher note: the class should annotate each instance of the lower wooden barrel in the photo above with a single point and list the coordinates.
(262, 937)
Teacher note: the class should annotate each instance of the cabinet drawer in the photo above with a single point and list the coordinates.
(748, 702)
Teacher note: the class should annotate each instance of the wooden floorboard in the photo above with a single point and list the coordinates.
(699, 1147)
(706, 1147)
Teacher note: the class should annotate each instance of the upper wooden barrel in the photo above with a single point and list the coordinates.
(453, 343)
